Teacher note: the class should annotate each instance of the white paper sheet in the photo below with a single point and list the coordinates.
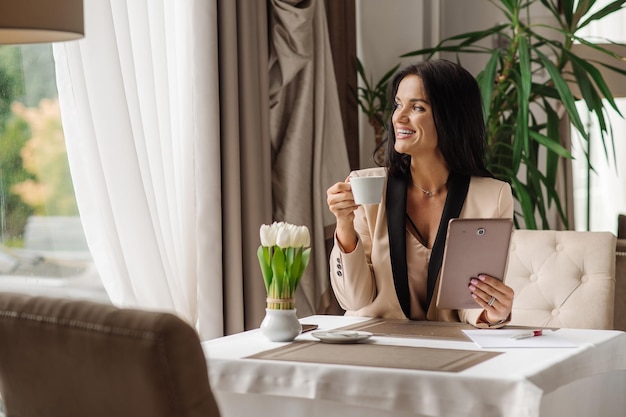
(501, 338)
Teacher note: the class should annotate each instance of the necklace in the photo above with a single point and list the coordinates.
(431, 193)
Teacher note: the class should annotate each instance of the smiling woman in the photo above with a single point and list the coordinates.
(387, 256)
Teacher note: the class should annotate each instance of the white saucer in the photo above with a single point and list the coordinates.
(341, 336)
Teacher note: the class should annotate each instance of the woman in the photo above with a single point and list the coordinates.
(386, 258)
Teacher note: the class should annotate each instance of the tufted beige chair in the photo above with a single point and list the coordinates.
(562, 278)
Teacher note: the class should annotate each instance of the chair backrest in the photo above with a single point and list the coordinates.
(562, 278)
(76, 358)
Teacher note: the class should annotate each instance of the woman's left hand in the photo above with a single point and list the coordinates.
(495, 297)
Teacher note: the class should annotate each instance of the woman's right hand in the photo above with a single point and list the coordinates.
(341, 203)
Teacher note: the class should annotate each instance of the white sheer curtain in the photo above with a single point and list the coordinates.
(139, 98)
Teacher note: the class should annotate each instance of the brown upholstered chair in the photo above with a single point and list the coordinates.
(72, 358)
(562, 278)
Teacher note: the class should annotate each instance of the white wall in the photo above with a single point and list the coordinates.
(461, 16)
(385, 30)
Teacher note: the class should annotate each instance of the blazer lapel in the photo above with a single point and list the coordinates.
(457, 191)
(396, 227)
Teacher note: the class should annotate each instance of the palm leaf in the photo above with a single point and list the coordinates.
(486, 81)
(466, 38)
(520, 108)
(384, 80)
(550, 144)
(552, 158)
(564, 92)
(524, 90)
(567, 10)
(553, 8)
(525, 200)
(605, 11)
(510, 5)
(582, 70)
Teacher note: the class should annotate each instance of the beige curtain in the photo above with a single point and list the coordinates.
(308, 144)
(245, 157)
(282, 144)
(184, 155)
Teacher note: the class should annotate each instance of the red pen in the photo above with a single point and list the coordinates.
(530, 333)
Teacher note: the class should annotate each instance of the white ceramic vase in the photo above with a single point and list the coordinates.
(280, 325)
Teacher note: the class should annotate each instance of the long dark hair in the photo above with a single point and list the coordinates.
(456, 103)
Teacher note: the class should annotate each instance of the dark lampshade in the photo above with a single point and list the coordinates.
(36, 21)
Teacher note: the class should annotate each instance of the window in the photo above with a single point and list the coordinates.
(43, 248)
(600, 193)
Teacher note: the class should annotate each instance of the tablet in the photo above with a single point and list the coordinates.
(473, 247)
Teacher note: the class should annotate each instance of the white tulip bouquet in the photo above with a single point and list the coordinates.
(283, 255)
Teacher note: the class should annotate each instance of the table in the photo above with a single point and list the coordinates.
(586, 380)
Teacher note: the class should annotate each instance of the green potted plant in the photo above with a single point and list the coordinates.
(529, 80)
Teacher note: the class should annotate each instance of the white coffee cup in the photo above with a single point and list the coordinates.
(367, 190)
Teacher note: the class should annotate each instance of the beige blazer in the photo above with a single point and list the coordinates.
(367, 284)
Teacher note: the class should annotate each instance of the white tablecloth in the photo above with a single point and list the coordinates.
(587, 380)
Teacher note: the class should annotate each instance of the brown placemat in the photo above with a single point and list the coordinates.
(414, 329)
(381, 356)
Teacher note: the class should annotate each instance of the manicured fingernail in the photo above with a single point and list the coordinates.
(481, 277)
(474, 281)
(474, 295)
(471, 287)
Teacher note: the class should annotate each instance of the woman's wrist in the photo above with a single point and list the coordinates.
(346, 237)
(484, 319)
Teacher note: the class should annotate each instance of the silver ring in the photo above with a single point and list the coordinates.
(491, 301)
